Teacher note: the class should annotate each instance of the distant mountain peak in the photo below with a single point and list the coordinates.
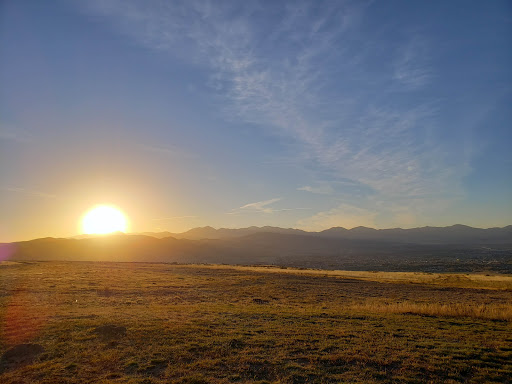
(205, 228)
(334, 229)
(461, 226)
(363, 229)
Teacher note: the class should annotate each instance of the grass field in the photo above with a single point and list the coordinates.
(222, 324)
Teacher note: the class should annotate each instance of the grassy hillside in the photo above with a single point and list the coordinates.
(221, 324)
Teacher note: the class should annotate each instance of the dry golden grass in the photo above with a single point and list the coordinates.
(459, 280)
(222, 324)
(501, 312)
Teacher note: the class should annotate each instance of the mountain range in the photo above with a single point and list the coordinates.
(455, 234)
(454, 248)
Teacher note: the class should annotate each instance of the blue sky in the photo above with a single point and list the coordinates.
(227, 113)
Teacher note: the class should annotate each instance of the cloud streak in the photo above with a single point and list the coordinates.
(262, 207)
(321, 189)
(411, 68)
(257, 207)
(171, 151)
(29, 192)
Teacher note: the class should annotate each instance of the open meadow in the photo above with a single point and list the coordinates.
(82, 322)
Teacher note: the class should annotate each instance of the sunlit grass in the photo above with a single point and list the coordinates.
(490, 311)
(214, 324)
(461, 280)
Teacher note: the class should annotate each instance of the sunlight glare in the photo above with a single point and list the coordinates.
(104, 219)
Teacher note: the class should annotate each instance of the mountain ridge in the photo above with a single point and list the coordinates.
(433, 249)
(428, 234)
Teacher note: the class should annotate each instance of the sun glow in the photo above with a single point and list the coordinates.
(104, 219)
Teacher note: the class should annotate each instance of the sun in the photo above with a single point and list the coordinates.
(104, 219)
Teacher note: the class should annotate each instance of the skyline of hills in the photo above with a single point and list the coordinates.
(450, 234)
(429, 249)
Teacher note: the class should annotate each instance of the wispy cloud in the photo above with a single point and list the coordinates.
(167, 150)
(307, 78)
(292, 209)
(259, 206)
(321, 189)
(262, 207)
(28, 192)
(411, 66)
